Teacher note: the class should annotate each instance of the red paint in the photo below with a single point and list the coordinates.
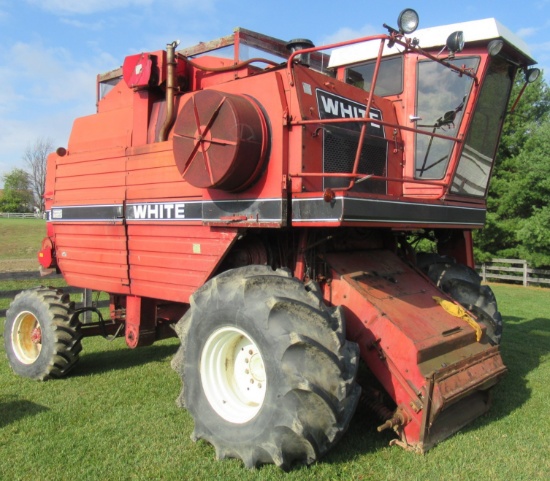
(265, 164)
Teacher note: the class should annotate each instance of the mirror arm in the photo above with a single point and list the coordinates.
(518, 98)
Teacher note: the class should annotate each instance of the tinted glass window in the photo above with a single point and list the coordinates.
(476, 161)
(441, 96)
(390, 76)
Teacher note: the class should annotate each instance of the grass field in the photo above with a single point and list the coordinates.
(115, 418)
(21, 238)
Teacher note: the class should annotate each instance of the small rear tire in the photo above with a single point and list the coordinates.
(41, 340)
(267, 373)
(464, 285)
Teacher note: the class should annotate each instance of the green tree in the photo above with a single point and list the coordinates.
(533, 108)
(18, 196)
(35, 157)
(519, 196)
(534, 235)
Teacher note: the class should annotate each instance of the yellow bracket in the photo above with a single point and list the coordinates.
(458, 311)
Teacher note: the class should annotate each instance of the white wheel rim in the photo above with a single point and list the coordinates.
(26, 337)
(233, 375)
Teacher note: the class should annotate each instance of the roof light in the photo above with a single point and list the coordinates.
(455, 42)
(531, 75)
(494, 47)
(408, 21)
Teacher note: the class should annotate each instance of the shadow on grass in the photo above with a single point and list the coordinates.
(524, 344)
(120, 359)
(13, 409)
(360, 438)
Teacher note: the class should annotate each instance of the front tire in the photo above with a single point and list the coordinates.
(464, 285)
(40, 339)
(267, 373)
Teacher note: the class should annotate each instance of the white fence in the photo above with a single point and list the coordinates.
(516, 270)
(14, 215)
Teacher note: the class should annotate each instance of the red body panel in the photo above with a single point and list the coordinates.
(426, 359)
(170, 261)
(192, 167)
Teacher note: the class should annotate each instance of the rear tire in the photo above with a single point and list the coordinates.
(267, 373)
(41, 341)
(464, 285)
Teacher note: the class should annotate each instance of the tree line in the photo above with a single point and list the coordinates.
(518, 204)
(24, 188)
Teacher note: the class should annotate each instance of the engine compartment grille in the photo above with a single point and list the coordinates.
(339, 150)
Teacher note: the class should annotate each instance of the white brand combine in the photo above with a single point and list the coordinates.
(174, 210)
(333, 106)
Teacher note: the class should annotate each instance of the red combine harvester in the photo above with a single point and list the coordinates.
(268, 203)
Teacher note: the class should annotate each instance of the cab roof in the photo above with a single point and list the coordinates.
(429, 38)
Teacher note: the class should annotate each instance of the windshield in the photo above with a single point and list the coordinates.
(441, 96)
(476, 161)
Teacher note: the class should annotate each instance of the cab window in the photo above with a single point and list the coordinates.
(390, 76)
(440, 99)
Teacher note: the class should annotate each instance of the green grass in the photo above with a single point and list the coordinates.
(115, 418)
(21, 238)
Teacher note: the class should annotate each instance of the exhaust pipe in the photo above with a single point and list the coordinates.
(170, 90)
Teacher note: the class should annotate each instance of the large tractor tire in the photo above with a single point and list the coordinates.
(464, 285)
(40, 339)
(267, 373)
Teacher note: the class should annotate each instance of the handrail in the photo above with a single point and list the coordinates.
(394, 38)
(355, 176)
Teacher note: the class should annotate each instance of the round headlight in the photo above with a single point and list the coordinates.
(455, 42)
(531, 75)
(494, 47)
(408, 21)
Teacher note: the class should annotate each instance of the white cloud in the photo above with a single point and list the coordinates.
(541, 53)
(527, 32)
(347, 33)
(43, 91)
(85, 7)
(92, 26)
(48, 76)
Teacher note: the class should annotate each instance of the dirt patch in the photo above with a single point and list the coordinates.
(15, 265)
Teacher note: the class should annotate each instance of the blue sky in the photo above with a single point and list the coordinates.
(52, 50)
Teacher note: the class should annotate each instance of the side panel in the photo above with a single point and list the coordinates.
(152, 174)
(171, 261)
(93, 256)
(86, 217)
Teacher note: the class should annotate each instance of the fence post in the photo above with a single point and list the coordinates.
(525, 283)
(483, 272)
